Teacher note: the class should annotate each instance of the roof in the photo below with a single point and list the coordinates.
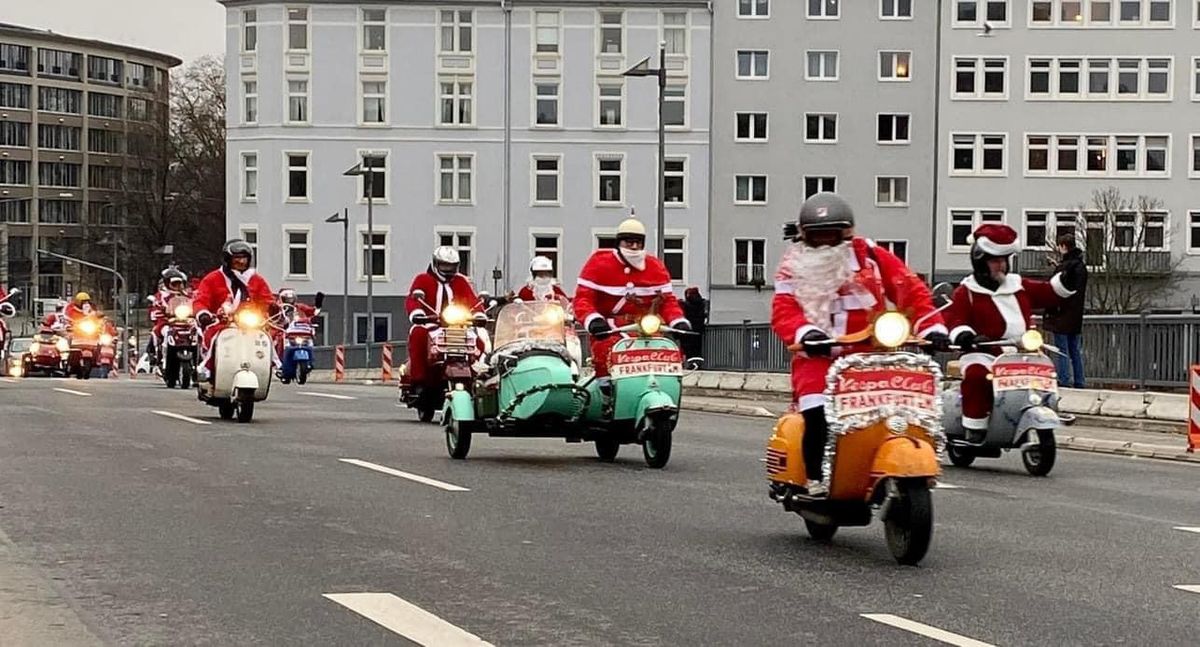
(54, 37)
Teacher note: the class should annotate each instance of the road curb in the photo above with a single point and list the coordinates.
(1120, 448)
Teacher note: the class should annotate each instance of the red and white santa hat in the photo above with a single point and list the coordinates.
(996, 239)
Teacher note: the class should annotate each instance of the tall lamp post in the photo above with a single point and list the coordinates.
(643, 69)
(344, 218)
(368, 178)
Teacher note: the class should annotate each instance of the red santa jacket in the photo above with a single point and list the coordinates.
(1000, 314)
(609, 287)
(216, 289)
(526, 293)
(439, 294)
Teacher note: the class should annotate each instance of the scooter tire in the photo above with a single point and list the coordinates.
(185, 377)
(425, 414)
(227, 410)
(909, 524)
(656, 448)
(1040, 460)
(820, 531)
(960, 457)
(607, 449)
(302, 375)
(458, 439)
(245, 411)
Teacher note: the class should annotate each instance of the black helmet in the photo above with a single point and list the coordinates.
(235, 247)
(825, 210)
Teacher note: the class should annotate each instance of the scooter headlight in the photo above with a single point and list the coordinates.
(892, 329)
(1032, 341)
(88, 327)
(63, 345)
(650, 324)
(455, 315)
(249, 319)
(183, 311)
(1035, 398)
(106, 339)
(34, 347)
(15, 370)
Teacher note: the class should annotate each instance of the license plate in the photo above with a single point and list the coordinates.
(645, 368)
(1013, 376)
(301, 356)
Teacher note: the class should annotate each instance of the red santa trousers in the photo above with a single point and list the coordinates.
(977, 397)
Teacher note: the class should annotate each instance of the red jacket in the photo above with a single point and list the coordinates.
(1001, 314)
(216, 289)
(526, 293)
(439, 294)
(74, 313)
(609, 287)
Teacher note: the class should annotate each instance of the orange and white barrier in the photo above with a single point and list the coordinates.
(339, 364)
(387, 363)
(1194, 408)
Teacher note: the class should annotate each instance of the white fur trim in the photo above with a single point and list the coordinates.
(996, 249)
(977, 359)
(958, 330)
(1060, 289)
(680, 320)
(1011, 285)
(592, 317)
(932, 329)
(622, 290)
(863, 301)
(977, 424)
(1010, 310)
(412, 318)
(802, 331)
(785, 287)
(811, 401)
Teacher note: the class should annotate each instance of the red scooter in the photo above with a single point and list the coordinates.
(454, 347)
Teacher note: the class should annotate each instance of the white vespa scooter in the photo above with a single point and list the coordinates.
(242, 365)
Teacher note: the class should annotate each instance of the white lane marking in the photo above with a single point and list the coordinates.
(331, 396)
(925, 630)
(1195, 529)
(1190, 588)
(177, 416)
(407, 619)
(405, 475)
(73, 392)
(947, 486)
(8, 380)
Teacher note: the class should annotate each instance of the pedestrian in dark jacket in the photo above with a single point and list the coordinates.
(1067, 320)
(695, 309)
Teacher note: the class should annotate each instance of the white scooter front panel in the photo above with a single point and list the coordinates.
(243, 359)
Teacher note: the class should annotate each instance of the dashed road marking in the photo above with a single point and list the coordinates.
(925, 630)
(1190, 588)
(449, 487)
(1195, 529)
(947, 486)
(178, 416)
(407, 619)
(74, 392)
(331, 396)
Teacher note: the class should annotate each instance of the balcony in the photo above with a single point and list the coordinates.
(1032, 262)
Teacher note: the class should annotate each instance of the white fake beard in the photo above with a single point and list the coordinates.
(635, 258)
(543, 288)
(820, 272)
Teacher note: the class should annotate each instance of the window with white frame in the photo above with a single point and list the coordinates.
(1038, 230)
(749, 261)
(374, 180)
(824, 9)
(545, 102)
(977, 154)
(820, 128)
(752, 64)
(297, 176)
(674, 256)
(972, 13)
(1196, 69)
(374, 101)
(675, 32)
(457, 30)
(964, 221)
(249, 176)
(893, 128)
(455, 179)
(297, 101)
(891, 191)
(249, 101)
(1195, 165)
(898, 248)
(299, 255)
(1104, 155)
(456, 102)
(612, 32)
(374, 29)
(381, 330)
(1194, 225)
(822, 65)
(980, 78)
(249, 30)
(895, 66)
(750, 189)
(1100, 13)
(297, 26)
(751, 126)
(675, 105)
(547, 244)
(754, 9)
(547, 179)
(611, 110)
(1144, 78)
(249, 233)
(814, 184)
(463, 241)
(675, 180)
(895, 9)
(606, 241)
(546, 31)
(610, 179)
(373, 253)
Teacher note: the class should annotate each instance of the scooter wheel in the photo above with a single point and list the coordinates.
(607, 449)
(458, 439)
(656, 448)
(302, 375)
(245, 411)
(227, 409)
(909, 524)
(960, 457)
(425, 414)
(1039, 460)
(820, 531)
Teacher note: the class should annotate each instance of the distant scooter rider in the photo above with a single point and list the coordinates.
(829, 283)
(55, 322)
(174, 284)
(442, 285)
(542, 285)
(287, 299)
(234, 283)
(79, 308)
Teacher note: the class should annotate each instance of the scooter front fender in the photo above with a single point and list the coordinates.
(905, 457)
(652, 401)
(461, 406)
(245, 380)
(1034, 418)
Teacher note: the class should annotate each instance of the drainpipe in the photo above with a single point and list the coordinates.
(708, 235)
(506, 243)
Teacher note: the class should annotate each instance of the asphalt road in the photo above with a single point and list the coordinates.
(148, 529)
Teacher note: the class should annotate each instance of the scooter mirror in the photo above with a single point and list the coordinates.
(149, 299)
(694, 363)
(12, 291)
(942, 292)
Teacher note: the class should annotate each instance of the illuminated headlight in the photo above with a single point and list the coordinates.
(63, 345)
(892, 329)
(88, 327)
(897, 424)
(1035, 398)
(106, 339)
(249, 319)
(553, 315)
(183, 311)
(650, 324)
(34, 348)
(15, 370)
(1032, 340)
(455, 315)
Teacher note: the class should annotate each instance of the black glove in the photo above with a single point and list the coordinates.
(965, 341)
(813, 348)
(480, 319)
(599, 328)
(320, 300)
(421, 319)
(938, 341)
(205, 319)
(683, 325)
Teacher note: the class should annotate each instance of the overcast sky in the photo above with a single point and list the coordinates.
(188, 29)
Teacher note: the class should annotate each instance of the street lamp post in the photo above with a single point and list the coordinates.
(345, 220)
(121, 356)
(368, 177)
(643, 69)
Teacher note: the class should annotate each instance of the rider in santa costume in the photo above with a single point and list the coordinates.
(617, 287)
(442, 285)
(830, 283)
(996, 304)
(541, 285)
(234, 283)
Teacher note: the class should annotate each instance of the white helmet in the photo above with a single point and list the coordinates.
(445, 262)
(540, 264)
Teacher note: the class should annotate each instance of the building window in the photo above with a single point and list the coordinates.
(893, 129)
(546, 98)
(980, 78)
(464, 243)
(381, 331)
(1158, 77)
(611, 104)
(964, 221)
(374, 254)
(14, 173)
(105, 70)
(249, 177)
(297, 176)
(674, 256)
(1156, 155)
(53, 62)
(456, 103)
(814, 184)
(105, 141)
(16, 95)
(297, 26)
(1141, 155)
(751, 126)
(139, 109)
(1195, 68)
(58, 212)
(675, 32)
(752, 64)
(58, 174)
(612, 32)
(895, 9)
(749, 261)
(751, 189)
(14, 133)
(59, 100)
(820, 128)
(63, 138)
(1194, 225)
(675, 105)
(250, 102)
(249, 30)
(547, 244)
(298, 253)
(15, 58)
(455, 185)
(894, 66)
(822, 66)
(1071, 13)
(978, 154)
(249, 233)
(547, 181)
(104, 177)
(374, 182)
(1037, 153)
(374, 102)
(1195, 155)
(15, 211)
(675, 181)
(1136, 78)
(610, 179)
(899, 248)
(1037, 227)
(823, 9)
(297, 100)
(104, 105)
(546, 31)
(891, 191)
(754, 9)
(457, 30)
(374, 30)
